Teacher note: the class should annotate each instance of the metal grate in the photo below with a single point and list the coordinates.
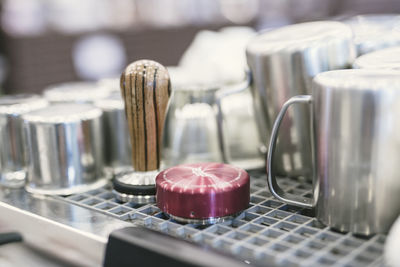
(269, 231)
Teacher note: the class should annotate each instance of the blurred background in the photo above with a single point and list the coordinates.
(43, 42)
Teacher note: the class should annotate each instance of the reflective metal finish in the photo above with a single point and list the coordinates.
(391, 249)
(118, 151)
(12, 151)
(138, 199)
(131, 177)
(388, 58)
(375, 31)
(190, 132)
(239, 138)
(75, 234)
(212, 220)
(111, 84)
(357, 150)
(283, 63)
(82, 92)
(135, 186)
(211, 124)
(65, 149)
(255, 235)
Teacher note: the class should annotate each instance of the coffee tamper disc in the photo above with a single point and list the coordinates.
(145, 88)
(203, 193)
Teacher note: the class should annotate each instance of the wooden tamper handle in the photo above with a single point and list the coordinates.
(145, 87)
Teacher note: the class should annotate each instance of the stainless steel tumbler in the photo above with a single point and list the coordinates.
(374, 32)
(211, 124)
(191, 128)
(12, 150)
(283, 63)
(79, 92)
(118, 151)
(65, 149)
(388, 58)
(356, 138)
(110, 84)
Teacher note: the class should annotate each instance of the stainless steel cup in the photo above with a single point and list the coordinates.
(12, 150)
(242, 145)
(191, 131)
(283, 63)
(110, 84)
(373, 32)
(356, 137)
(388, 58)
(79, 92)
(211, 124)
(118, 152)
(65, 149)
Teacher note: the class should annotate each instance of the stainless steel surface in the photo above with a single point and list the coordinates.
(283, 63)
(12, 151)
(20, 254)
(118, 151)
(82, 92)
(269, 232)
(53, 190)
(111, 84)
(211, 220)
(388, 58)
(69, 232)
(134, 198)
(190, 132)
(128, 178)
(373, 32)
(304, 202)
(211, 124)
(137, 178)
(391, 252)
(65, 148)
(357, 147)
(239, 138)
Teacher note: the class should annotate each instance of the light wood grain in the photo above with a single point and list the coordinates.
(145, 87)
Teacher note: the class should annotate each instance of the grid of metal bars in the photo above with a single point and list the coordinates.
(269, 231)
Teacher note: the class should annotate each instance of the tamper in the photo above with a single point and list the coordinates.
(145, 88)
(203, 193)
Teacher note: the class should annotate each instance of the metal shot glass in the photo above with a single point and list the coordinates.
(117, 145)
(80, 92)
(110, 84)
(65, 149)
(373, 32)
(12, 149)
(191, 130)
(211, 124)
(388, 58)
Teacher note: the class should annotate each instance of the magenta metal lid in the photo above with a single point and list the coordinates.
(203, 190)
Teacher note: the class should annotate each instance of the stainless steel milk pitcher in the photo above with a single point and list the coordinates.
(283, 63)
(356, 138)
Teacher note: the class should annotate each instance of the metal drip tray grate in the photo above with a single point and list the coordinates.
(269, 231)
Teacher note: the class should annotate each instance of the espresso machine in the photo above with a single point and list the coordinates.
(122, 207)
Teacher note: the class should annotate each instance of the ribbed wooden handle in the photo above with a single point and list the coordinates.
(145, 87)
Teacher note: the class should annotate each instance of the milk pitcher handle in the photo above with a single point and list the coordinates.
(238, 88)
(272, 184)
